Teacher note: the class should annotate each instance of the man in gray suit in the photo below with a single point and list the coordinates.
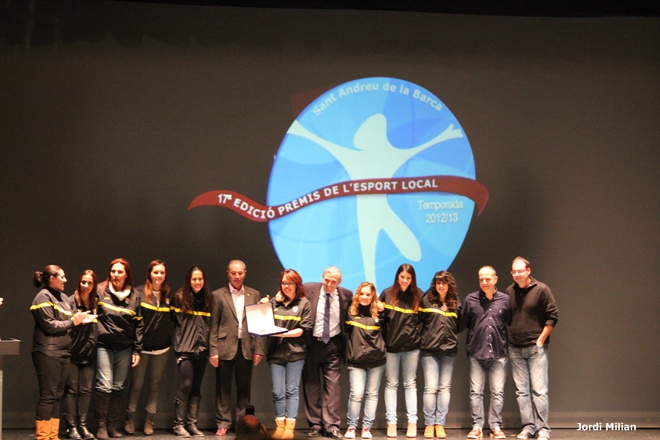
(325, 354)
(233, 350)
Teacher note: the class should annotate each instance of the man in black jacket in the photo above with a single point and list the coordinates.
(534, 317)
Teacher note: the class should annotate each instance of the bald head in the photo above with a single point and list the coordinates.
(249, 427)
(488, 280)
(236, 272)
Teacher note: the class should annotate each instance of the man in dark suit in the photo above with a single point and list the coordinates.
(233, 350)
(325, 354)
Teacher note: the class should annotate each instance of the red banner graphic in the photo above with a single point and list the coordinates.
(257, 212)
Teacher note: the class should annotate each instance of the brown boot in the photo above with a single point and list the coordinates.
(114, 409)
(129, 426)
(280, 423)
(428, 431)
(440, 431)
(42, 429)
(101, 402)
(54, 429)
(148, 424)
(288, 433)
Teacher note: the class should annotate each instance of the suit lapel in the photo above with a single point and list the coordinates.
(314, 300)
(250, 297)
(230, 302)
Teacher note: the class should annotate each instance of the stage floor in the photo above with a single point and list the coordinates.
(557, 434)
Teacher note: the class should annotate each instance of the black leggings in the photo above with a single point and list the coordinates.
(52, 373)
(79, 384)
(191, 373)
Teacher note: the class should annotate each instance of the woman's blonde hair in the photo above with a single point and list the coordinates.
(373, 308)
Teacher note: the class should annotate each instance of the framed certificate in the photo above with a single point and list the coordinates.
(260, 320)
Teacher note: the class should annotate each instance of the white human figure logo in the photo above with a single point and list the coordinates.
(375, 157)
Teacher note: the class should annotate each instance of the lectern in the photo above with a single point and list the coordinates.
(8, 347)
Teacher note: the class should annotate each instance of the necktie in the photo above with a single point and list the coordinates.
(326, 320)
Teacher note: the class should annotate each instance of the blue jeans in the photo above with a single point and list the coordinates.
(363, 383)
(529, 366)
(495, 369)
(437, 388)
(409, 360)
(286, 388)
(112, 367)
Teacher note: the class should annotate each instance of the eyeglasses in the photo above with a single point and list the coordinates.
(286, 283)
(518, 272)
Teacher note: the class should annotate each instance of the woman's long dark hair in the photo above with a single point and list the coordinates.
(186, 294)
(395, 290)
(451, 299)
(92, 299)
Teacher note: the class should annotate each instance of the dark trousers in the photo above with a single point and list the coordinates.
(51, 373)
(79, 383)
(191, 373)
(321, 387)
(240, 369)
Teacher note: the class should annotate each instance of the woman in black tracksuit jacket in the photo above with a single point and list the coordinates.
(82, 370)
(155, 308)
(119, 344)
(287, 352)
(191, 309)
(51, 346)
(365, 356)
(402, 340)
(439, 312)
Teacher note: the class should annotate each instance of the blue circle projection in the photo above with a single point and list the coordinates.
(371, 128)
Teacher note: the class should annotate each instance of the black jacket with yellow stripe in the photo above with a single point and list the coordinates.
(52, 324)
(365, 346)
(297, 314)
(157, 322)
(120, 321)
(402, 324)
(191, 327)
(83, 337)
(438, 327)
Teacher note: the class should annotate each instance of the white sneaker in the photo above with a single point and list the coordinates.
(366, 433)
(350, 433)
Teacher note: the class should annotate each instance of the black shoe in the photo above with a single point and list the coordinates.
(73, 433)
(194, 432)
(180, 431)
(334, 434)
(314, 432)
